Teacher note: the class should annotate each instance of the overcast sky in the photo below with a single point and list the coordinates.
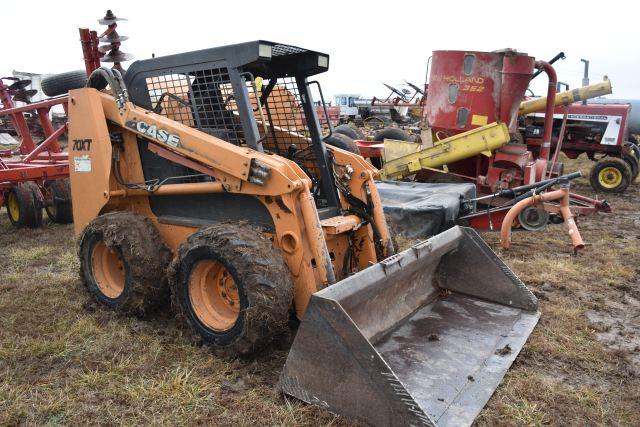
(369, 42)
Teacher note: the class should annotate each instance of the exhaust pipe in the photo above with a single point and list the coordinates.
(421, 338)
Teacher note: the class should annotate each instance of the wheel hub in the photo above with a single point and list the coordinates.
(108, 270)
(610, 177)
(214, 295)
(13, 208)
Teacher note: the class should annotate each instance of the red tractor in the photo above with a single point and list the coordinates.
(601, 131)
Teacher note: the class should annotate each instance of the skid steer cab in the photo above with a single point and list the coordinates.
(202, 178)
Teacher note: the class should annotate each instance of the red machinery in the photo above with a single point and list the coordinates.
(601, 131)
(469, 90)
(33, 176)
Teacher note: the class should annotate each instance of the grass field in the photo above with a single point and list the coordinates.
(64, 360)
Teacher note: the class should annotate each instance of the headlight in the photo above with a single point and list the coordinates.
(264, 51)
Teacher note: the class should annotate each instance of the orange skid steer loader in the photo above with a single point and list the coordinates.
(194, 183)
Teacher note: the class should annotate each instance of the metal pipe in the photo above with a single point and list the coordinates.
(561, 194)
(545, 148)
(51, 144)
(570, 222)
(379, 218)
(569, 97)
(559, 142)
(87, 52)
(172, 190)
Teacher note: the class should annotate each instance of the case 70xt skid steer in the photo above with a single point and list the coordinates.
(209, 180)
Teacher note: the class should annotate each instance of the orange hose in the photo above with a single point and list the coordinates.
(562, 195)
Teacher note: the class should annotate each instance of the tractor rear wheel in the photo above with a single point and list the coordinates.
(632, 162)
(634, 149)
(610, 175)
(232, 287)
(58, 201)
(123, 261)
(24, 206)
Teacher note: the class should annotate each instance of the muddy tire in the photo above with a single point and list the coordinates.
(60, 84)
(232, 287)
(58, 201)
(342, 141)
(348, 131)
(24, 205)
(391, 133)
(610, 175)
(123, 263)
(632, 162)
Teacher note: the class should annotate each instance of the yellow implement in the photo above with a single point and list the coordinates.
(568, 97)
(483, 140)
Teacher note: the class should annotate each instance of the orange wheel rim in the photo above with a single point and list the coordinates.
(108, 270)
(214, 295)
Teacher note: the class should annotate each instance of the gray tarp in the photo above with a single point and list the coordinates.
(420, 210)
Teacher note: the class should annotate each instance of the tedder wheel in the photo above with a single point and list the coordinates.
(347, 130)
(58, 201)
(232, 287)
(24, 205)
(123, 262)
(342, 141)
(632, 162)
(610, 175)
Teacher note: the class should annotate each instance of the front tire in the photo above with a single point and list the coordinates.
(610, 175)
(232, 288)
(123, 262)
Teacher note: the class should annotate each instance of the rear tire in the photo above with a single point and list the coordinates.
(24, 205)
(60, 84)
(123, 262)
(342, 141)
(634, 149)
(632, 162)
(610, 175)
(58, 201)
(232, 288)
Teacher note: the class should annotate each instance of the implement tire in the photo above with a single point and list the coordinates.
(24, 205)
(391, 133)
(347, 130)
(610, 175)
(342, 141)
(60, 84)
(58, 206)
(232, 287)
(123, 263)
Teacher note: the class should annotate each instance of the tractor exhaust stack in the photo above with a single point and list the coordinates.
(421, 338)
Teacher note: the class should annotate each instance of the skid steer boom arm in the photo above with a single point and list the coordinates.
(99, 125)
